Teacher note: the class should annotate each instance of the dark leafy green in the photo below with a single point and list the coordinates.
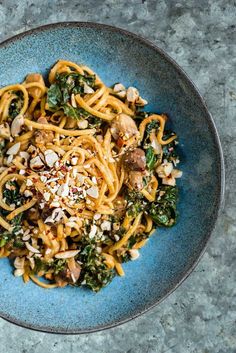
(135, 202)
(169, 151)
(16, 105)
(65, 85)
(163, 211)
(151, 158)
(2, 146)
(12, 196)
(58, 265)
(94, 273)
(151, 126)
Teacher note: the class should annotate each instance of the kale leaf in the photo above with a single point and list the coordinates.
(16, 105)
(169, 151)
(163, 211)
(94, 273)
(135, 202)
(12, 195)
(65, 85)
(151, 158)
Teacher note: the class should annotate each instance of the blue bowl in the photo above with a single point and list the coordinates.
(171, 254)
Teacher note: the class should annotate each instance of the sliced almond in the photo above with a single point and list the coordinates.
(19, 262)
(93, 192)
(31, 248)
(19, 272)
(66, 254)
(14, 149)
(16, 125)
(88, 89)
(176, 173)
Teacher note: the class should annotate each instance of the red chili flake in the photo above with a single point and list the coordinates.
(64, 168)
(120, 142)
(74, 190)
(35, 180)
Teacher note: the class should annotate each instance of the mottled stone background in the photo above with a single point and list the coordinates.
(200, 316)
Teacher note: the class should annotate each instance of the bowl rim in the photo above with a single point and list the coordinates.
(220, 196)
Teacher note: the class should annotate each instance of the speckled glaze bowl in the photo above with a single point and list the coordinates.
(171, 254)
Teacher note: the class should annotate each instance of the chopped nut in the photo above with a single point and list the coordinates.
(93, 192)
(106, 225)
(169, 181)
(63, 190)
(16, 125)
(51, 157)
(134, 254)
(56, 216)
(176, 173)
(19, 262)
(14, 149)
(19, 272)
(46, 196)
(74, 160)
(132, 94)
(82, 124)
(66, 254)
(93, 231)
(141, 102)
(118, 87)
(88, 89)
(29, 182)
(5, 131)
(97, 216)
(28, 193)
(36, 163)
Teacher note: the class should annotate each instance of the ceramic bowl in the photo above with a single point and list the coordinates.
(171, 254)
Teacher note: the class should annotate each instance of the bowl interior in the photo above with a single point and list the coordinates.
(170, 253)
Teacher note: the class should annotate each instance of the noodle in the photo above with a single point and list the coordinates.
(85, 177)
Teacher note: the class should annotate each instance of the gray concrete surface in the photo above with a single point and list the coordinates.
(200, 316)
